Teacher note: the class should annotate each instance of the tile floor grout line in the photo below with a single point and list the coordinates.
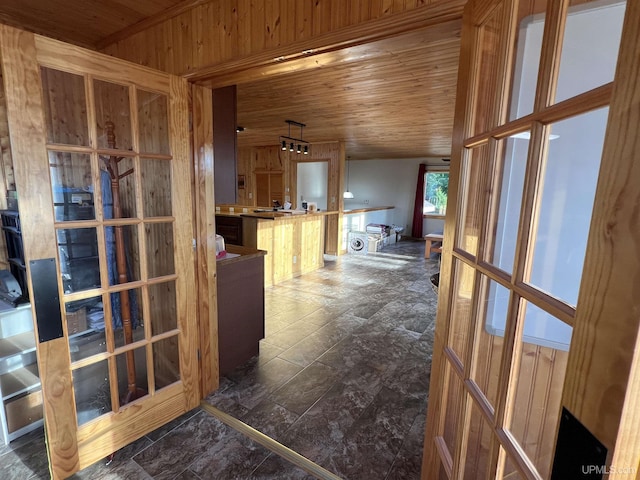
(269, 443)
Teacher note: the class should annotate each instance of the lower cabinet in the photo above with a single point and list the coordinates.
(20, 390)
(240, 307)
(230, 227)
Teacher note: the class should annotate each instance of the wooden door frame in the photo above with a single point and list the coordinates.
(259, 66)
(602, 382)
(204, 215)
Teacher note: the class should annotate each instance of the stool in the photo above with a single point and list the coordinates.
(433, 243)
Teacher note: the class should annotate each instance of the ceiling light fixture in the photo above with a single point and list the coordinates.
(347, 193)
(295, 144)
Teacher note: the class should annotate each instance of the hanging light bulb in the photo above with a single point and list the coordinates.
(306, 149)
(291, 147)
(347, 193)
(299, 150)
(284, 145)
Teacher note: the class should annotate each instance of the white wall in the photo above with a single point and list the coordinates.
(386, 183)
(313, 183)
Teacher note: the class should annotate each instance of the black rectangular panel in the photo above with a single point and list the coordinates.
(46, 298)
(579, 454)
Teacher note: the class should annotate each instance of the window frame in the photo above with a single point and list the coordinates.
(434, 169)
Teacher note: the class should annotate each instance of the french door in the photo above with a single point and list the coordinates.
(102, 171)
(535, 87)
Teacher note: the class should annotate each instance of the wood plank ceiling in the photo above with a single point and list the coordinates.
(82, 22)
(389, 99)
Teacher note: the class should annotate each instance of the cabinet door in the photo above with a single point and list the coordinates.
(263, 192)
(276, 188)
(261, 158)
(102, 168)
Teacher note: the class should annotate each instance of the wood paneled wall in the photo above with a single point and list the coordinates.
(6, 169)
(221, 30)
(272, 158)
(537, 399)
(65, 107)
(293, 244)
(7, 182)
(252, 160)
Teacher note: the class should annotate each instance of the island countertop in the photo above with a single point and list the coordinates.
(368, 209)
(284, 214)
(273, 214)
(239, 254)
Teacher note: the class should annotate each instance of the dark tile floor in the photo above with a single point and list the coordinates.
(342, 378)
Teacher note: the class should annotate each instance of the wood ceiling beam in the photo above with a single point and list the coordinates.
(321, 50)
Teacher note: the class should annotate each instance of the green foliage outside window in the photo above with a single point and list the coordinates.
(436, 190)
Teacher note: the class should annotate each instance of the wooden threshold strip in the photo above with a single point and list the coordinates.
(268, 442)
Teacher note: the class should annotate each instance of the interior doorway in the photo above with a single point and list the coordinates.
(312, 184)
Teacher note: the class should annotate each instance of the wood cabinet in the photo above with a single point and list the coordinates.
(20, 388)
(269, 168)
(269, 188)
(268, 159)
(230, 227)
(240, 306)
(294, 243)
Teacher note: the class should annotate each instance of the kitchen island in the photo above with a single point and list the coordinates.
(294, 241)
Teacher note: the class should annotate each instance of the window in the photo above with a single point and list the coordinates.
(436, 187)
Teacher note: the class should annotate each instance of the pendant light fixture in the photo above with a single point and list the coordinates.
(297, 145)
(347, 193)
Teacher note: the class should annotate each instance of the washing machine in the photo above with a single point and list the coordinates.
(358, 243)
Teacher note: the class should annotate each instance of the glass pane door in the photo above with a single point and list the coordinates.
(526, 177)
(105, 193)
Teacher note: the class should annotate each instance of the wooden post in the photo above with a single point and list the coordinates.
(133, 391)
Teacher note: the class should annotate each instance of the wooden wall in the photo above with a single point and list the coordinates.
(252, 160)
(273, 158)
(6, 161)
(6, 169)
(536, 401)
(220, 30)
(293, 244)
